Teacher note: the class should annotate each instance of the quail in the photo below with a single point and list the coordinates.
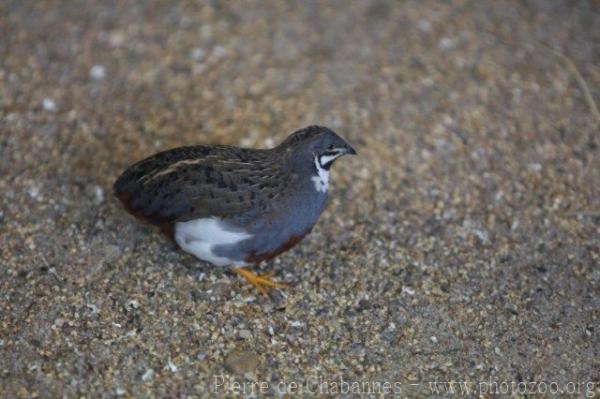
(235, 207)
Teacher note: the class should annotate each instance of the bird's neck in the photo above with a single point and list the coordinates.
(308, 167)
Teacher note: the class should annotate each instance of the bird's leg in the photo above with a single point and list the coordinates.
(262, 283)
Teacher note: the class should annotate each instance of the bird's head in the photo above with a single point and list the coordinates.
(315, 148)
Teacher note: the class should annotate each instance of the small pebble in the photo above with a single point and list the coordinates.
(245, 334)
(98, 195)
(34, 191)
(482, 235)
(198, 54)
(133, 304)
(241, 362)
(98, 72)
(246, 142)
(49, 105)
(424, 25)
(148, 375)
(446, 43)
(534, 167)
(93, 308)
(171, 366)
(219, 51)
(269, 143)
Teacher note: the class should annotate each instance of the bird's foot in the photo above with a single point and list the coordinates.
(262, 282)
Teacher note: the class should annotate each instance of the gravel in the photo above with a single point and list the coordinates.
(462, 244)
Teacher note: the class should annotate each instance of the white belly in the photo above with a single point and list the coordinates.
(200, 236)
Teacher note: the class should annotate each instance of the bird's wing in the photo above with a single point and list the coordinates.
(197, 182)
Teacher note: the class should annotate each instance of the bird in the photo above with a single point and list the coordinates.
(235, 207)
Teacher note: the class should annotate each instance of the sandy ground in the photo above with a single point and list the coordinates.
(462, 244)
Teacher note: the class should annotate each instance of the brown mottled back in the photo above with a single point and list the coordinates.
(200, 181)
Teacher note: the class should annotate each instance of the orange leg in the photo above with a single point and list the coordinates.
(262, 283)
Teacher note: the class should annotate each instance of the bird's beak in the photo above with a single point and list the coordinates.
(350, 151)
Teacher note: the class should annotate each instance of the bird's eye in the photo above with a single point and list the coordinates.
(331, 147)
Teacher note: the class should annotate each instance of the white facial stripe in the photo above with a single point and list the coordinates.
(322, 179)
(331, 155)
(325, 159)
